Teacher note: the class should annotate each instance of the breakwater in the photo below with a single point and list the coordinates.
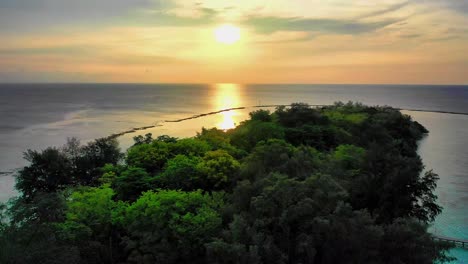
(133, 130)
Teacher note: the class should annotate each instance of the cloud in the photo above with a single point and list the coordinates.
(82, 7)
(86, 53)
(271, 24)
(143, 60)
(410, 36)
(24, 15)
(384, 11)
(67, 50)
(160, 18)
(35, 15)
(460, 6)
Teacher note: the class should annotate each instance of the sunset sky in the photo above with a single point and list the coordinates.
(295, 41)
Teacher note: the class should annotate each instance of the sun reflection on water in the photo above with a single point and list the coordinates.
(227, 95)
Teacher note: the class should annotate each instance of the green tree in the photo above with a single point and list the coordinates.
(349, 156)
(279, 156)
(28, 233)
(407, 241)
(138, 140)
(278, 225)
(170, 226)
(299, 114)
(334, 184)
(92, 157)
(131, 183)
(110, 173)
(189, 147)
(89, 223)
(249, 133)
(391, 186)
(48, 171)
(181, 173)
(261, 115)
(151, 157)
(218, 169)
(219, 139)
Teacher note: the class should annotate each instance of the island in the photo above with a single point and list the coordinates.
(301, 184)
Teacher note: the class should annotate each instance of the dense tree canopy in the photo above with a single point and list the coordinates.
(335, 184)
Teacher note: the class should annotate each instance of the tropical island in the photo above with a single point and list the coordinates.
(333, 184)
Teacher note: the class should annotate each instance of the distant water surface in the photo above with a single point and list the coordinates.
(39, 115)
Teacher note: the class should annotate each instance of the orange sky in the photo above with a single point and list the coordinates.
(313, 41)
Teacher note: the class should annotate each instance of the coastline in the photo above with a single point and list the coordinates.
(459, 251)
(160, 123)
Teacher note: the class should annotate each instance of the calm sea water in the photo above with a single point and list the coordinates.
(39, 115)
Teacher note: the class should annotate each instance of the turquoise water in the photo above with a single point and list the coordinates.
(37, 116)
(445, 151)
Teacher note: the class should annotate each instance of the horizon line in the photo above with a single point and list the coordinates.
(213, 83)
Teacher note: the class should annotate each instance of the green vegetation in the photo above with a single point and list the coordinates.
(338, 184)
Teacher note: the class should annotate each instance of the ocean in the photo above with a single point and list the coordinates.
(36, 116)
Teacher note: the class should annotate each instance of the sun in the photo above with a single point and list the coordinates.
(227, 34)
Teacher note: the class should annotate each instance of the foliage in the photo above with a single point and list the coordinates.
(89, 212)
(249, 133)
(93, 156)
(218, 169)
(30, 235)
(49, 171)
(55, 169)
(219, 139)
(152, 157)
(131, 183)
(180, 223)
(181, 173)
(333, 184)
(138, 140)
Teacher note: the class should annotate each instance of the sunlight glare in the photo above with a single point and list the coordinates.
(227, 96)
(227, 34)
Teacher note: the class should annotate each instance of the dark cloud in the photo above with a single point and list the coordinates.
(460, 6)
(271, 24)
(457, 5)
(19, 4)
